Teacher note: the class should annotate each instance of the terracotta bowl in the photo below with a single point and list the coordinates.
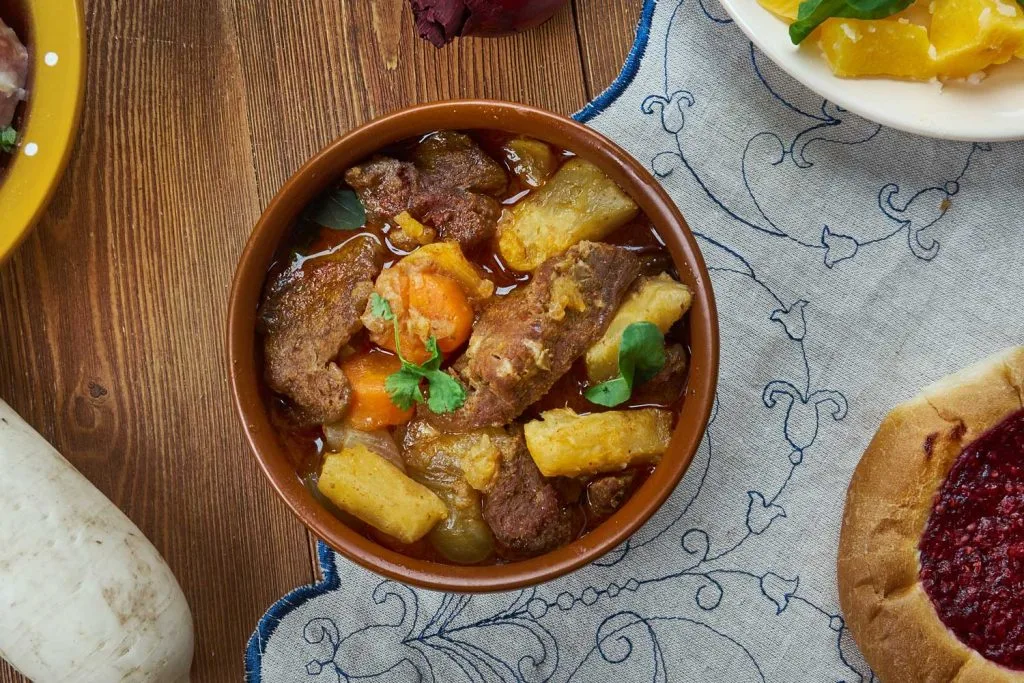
(326, 169)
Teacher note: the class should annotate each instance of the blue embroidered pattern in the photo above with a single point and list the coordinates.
(711, 556)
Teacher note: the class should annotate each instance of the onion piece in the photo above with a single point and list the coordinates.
(339, 436)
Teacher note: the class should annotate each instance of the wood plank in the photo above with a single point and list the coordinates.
(114, 313)
(606, 32)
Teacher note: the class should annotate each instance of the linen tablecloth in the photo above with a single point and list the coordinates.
(852, 265)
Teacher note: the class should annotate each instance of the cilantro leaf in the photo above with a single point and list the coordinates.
(445, 392)
(338, 209)
(8, 139)
(641, 357)
(813, 12)
(404, 388)
(610, 393)
(380, 307)
(435, 355)
(642, 351)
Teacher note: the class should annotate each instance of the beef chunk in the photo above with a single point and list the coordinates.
(307, 316)
(524, 342)
(386, 186)
(524, 510)
(655, 263)
(452, 160)
(458, 216)
(666, 387)
(446, 188)
(606, 494)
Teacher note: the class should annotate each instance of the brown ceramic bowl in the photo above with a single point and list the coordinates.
(325, 169)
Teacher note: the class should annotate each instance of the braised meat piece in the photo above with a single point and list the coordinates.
(666, 387)
(307, 316)
(384, 185)
(524, 342)
(450, 159)
(606, 494)
(13, 73)
(447, 189)
(458, 216)
(524, 510)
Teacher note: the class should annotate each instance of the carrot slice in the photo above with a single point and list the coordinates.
(371, 407)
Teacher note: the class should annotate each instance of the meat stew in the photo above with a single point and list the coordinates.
(474, 348)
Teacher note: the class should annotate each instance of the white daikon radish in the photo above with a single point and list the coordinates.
(83, 595)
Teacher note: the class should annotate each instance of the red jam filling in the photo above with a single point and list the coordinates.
(972, 551)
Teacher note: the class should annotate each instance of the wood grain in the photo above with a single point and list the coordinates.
(112, 313)
(606, 31)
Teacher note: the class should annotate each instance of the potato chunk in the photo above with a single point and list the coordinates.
(971, 35)
(579, 203)
(784, 9)
(413, 230)
(369, 487)
(660, 300)
(565, 444)
(448, 258)
(531, 160)
(855, 47)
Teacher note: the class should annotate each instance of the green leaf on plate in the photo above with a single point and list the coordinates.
(813, 12)
(338, 209)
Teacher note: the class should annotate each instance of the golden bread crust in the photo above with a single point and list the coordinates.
(887, 507)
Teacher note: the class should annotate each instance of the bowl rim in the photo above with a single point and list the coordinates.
(54, 109)
(324, 169)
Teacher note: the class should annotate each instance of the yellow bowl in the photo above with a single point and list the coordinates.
(56, 43)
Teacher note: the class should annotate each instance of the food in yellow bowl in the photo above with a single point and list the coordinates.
(913, 39)
(42, 58)
(13, 75)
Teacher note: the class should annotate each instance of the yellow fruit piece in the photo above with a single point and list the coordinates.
(369, 487)
(449, 259)
(565, 444)
(971, 35)
(414, 229)
(856, 47)
(580, 202)
(661, 300)
(918, 13)
(784, 9)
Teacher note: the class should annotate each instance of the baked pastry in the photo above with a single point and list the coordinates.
(931, 555)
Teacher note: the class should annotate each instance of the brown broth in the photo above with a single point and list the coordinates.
(309, 241)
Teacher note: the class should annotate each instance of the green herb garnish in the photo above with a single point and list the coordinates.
(8, 139)
(445, 394)
(641, 357)
(813, 12)
(338, 209)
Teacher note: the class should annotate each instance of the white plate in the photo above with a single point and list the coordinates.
(990, 111)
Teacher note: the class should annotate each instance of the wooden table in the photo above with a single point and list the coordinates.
(112, 314)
